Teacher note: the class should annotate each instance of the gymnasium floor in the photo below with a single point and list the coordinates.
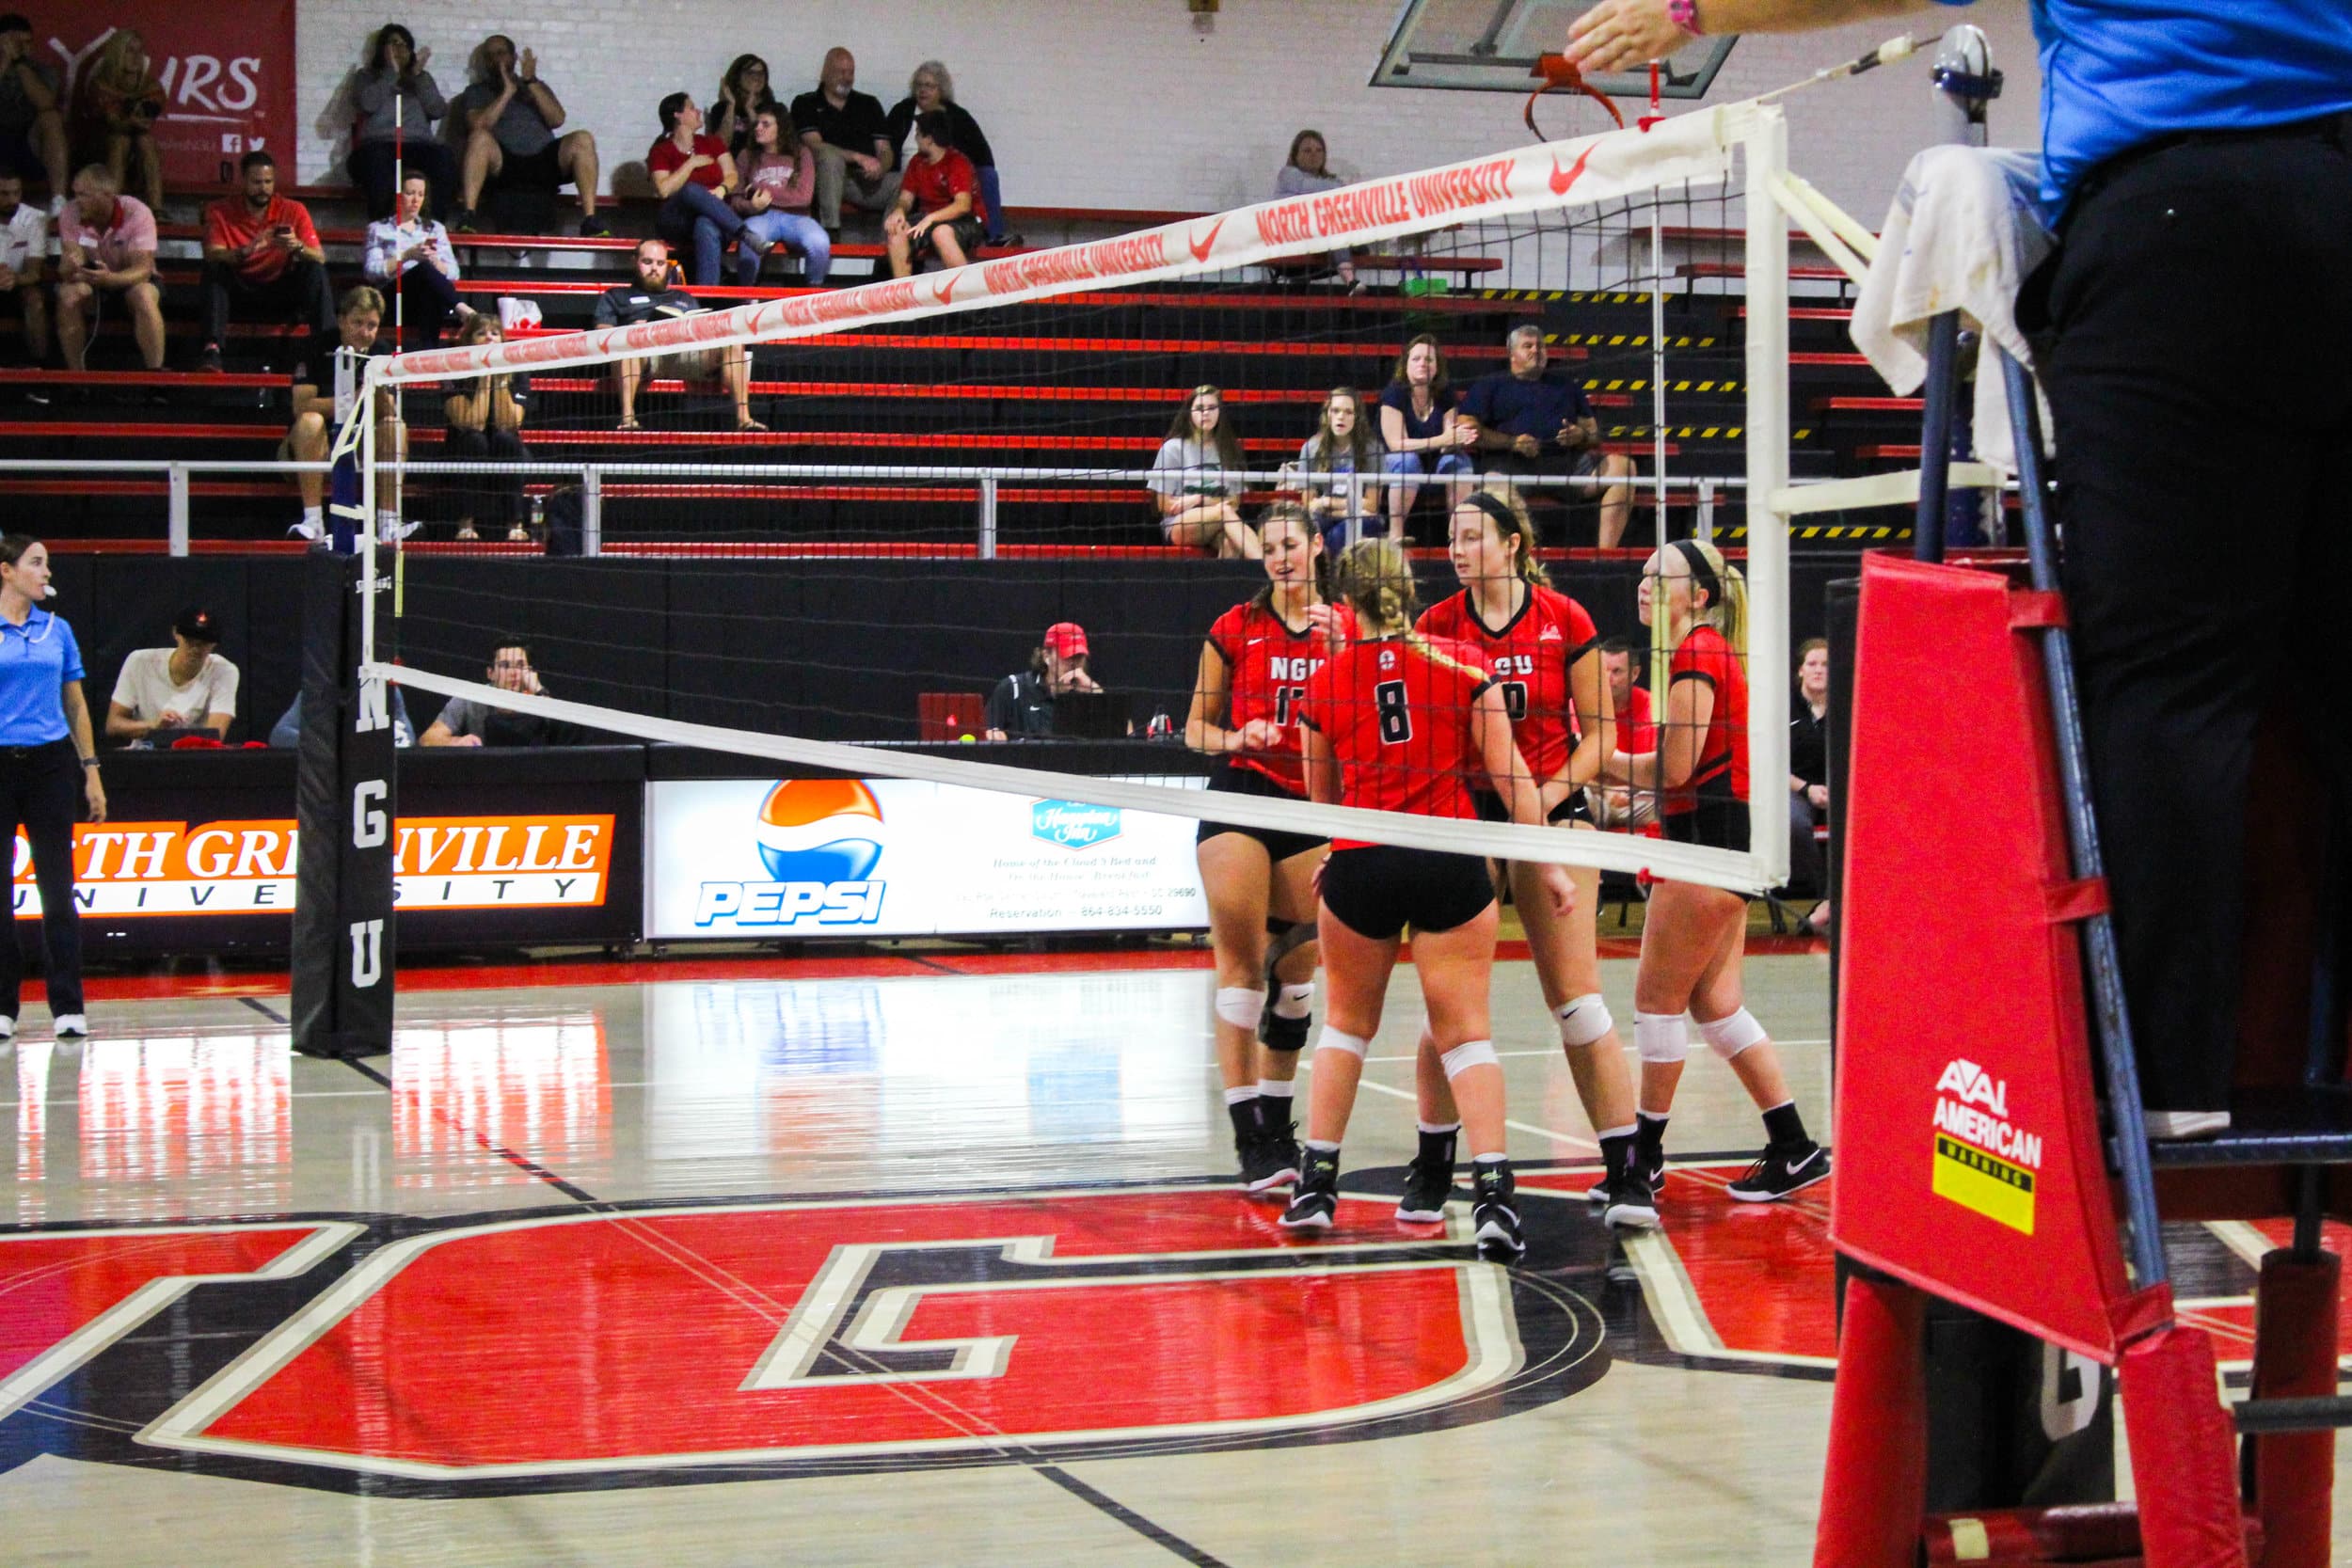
(581, 1285)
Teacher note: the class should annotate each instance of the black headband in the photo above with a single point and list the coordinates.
(1702, 575)
(1494, 506)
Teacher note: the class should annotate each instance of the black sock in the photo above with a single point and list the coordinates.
(1784, 1127)
(1493, 1167)
(1246, 1120)
(1616, 1152)
(1649, 1137)
(1437, 1149)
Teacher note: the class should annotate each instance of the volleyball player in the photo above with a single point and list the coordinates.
(1692, 936)
(1545, 653)
(1254, 667)
(1399, 721)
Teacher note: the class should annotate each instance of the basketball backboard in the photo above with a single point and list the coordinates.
(1493, 46)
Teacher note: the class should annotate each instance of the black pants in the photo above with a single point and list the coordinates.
(300, 294)
(371, 166)
(2198, 334)
(40, 787)
(427, 301)
(488, 497)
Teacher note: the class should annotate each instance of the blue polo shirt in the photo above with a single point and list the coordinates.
(36, 661)
(1539, 407)
(2116, 74)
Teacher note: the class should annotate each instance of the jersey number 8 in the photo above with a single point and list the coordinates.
(1396, 720)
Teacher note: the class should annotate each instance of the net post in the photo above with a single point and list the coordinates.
(1766, 156)
(176, 524)
(988, 517)
(590, 510)
(1705, 525)
(363, 411)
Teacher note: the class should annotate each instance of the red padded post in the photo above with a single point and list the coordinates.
(2183, 1453)
(2295, 1357)
(1874, 1488)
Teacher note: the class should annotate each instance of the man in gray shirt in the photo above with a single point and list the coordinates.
(32, 111)
(465, 721)
(506, 122)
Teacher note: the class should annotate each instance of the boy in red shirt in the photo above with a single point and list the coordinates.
(262, 256)
(941, 183)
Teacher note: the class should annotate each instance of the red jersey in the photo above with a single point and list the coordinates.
(1398, 718)
(230, 224)
(1266, 669)
(935, 185)
(1722, 773)
(1530, 657)
(1635, 733)
(663, 157)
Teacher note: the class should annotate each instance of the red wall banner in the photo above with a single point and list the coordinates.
(228, 74)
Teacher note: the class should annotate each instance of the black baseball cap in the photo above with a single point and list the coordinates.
(198, 626)
(12, 21)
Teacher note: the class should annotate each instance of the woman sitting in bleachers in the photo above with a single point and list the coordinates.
(399, 104)
(115, 113)
(1338, 468)
(410, 254)
(1419, 431)
(743, 95)
(779, 181)
(485, 425)
(693, 174)
(1196, 481)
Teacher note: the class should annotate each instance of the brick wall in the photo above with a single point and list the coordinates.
(1119, 103)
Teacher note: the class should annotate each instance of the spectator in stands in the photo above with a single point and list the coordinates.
(115, 111)
(410, 252)
(32, 116)
(932, 88)
(508, 119)
(1808, 780)
(779, 175)
(1418, 427)
(1340, 467)
(24, 263)
(318, 414)
(850, 137)
(693, 174)
(399, 104)
(943, 186)
(287, 733)
(106, 245)
(485, 417)
(1304, 173)
(188, 686)
(743, 95)
(653, 295)
(1616, 806)
(1529, 421)
(1196, 481)
(262, 255)
(1022, 705)
(465, 721)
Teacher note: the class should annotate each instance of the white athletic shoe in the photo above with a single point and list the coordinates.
(71, 1026)
(392, 530)
(7, 1030)
(308, 530)
(2166, 1127)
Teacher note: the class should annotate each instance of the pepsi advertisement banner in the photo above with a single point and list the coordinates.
(891, 856)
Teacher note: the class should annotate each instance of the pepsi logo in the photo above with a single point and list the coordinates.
(819, 831)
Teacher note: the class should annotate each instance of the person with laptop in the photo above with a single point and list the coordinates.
(187, 688)
(1022, 706)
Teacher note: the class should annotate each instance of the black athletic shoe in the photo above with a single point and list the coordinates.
(1778, 1172)
(1629, 1201)
(1654, 1176)
(1269, 1158)
(1316, 1200)
(596, 226)
(464, 222)
(1493, 1215)
(1427, 1185)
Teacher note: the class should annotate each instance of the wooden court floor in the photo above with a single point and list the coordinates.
(935, 1268)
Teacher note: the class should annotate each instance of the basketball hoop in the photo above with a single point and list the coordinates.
(1558, 71)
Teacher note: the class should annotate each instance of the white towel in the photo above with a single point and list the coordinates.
(1964, 234)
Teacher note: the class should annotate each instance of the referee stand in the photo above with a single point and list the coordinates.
(1992, 1145)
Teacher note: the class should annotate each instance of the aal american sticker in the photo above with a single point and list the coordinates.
(1983, 1162)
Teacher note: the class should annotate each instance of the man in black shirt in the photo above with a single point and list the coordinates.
(325, 391)
(654, 295)
(850, 137)
(1022, 707)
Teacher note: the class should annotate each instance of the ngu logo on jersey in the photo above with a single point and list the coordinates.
(821, 841)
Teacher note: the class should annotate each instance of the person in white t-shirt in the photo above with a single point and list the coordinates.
(184, 686)
(24, 263)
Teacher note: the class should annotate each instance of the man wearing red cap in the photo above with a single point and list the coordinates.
(186, 687)
(1022, 707)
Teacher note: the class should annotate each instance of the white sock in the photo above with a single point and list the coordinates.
(1269, 1088)
(1322, 1148)
(1432, 1129)
(1234, 1097)
(313, 516)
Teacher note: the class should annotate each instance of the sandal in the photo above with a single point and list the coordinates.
(629, 423)
(518, 536)
(465, 531)
(745, 426)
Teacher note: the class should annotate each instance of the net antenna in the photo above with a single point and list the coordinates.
(1505, 194)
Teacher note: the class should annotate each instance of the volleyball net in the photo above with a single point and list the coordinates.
(817, 528)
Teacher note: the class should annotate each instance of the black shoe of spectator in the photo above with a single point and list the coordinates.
(1009, 242)
(463, 222)
(595, 227)
(209, 360)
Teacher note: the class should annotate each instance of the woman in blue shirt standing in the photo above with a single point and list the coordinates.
(46, 758)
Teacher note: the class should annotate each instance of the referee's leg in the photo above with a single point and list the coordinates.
(51, 800)
(2197, 380)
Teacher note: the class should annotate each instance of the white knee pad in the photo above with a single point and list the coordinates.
(1586, 1020)
(1331, 1040)
(1468, 1054)
(1728, 1036)
(1660, 1037)
(1239, 1005)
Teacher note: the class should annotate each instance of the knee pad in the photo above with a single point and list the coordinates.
(1586, 1020)
(1469, 1053)
(1297, 1001)
(1239, 1005)
(1728, 1036)
(1331, 1040)
(1661, 1037)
